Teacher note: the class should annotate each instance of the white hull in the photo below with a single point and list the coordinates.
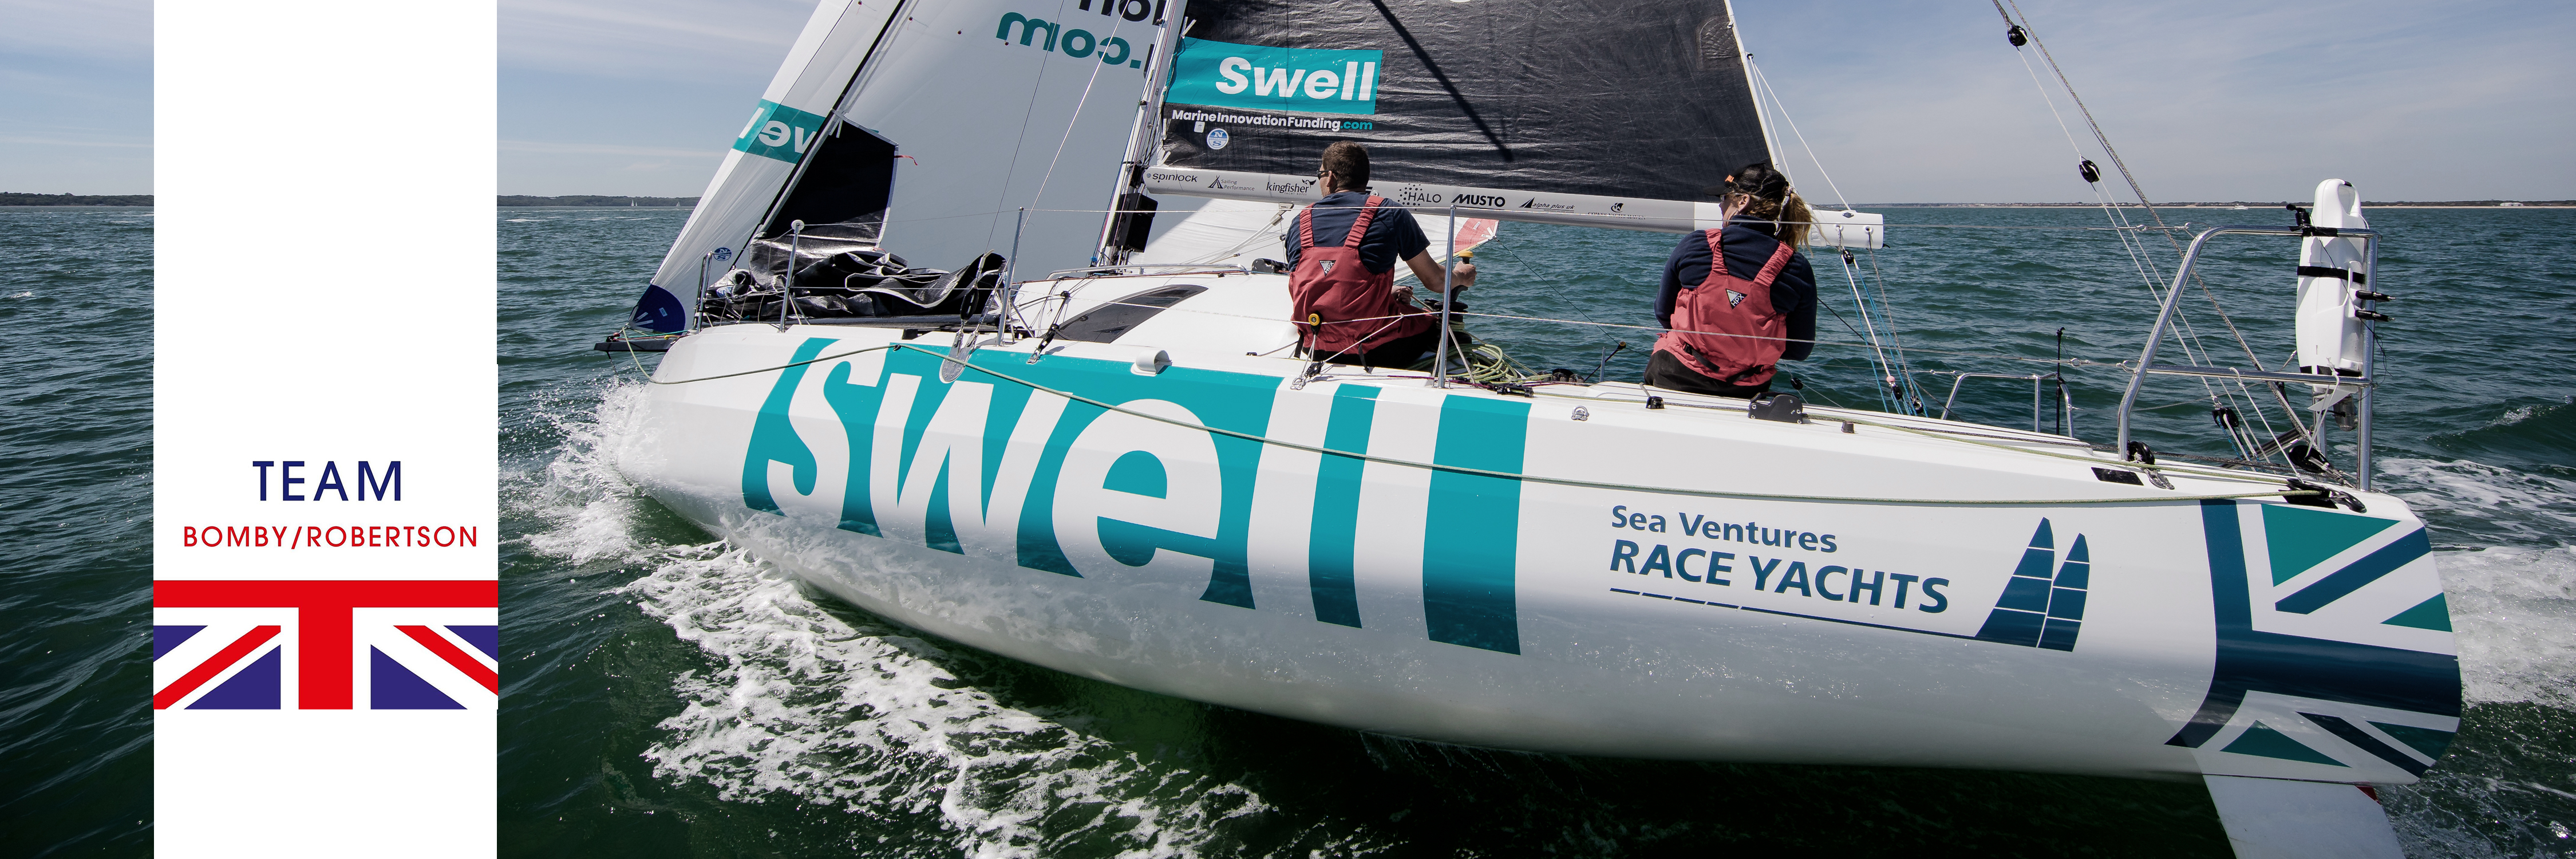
(1459, 606)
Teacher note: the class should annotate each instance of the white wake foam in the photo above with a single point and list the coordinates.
(589, 510)
(809, 707)
(2514, 610)
(2519, 507)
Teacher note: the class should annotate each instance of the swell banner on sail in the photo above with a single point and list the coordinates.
(1523, 112)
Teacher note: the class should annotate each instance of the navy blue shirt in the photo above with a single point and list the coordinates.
(1748, 245)
(1392, 233)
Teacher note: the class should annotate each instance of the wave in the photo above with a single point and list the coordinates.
(830, 707)
(2514, 610)
(860, 716)
(590, 513)
(2534, 433)
(2472, 504)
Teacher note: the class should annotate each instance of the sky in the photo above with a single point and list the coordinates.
(1900, 101)
(76, 96)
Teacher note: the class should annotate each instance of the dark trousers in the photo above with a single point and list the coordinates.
(1669, 373)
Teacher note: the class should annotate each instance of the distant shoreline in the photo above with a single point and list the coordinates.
(17, 199)
(595, 201)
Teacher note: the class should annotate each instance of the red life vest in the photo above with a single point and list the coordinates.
(1355, 304)
(1747, 334)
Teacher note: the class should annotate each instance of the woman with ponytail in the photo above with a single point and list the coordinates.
(1738, 299)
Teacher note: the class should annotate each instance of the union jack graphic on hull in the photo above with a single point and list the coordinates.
(325, 645)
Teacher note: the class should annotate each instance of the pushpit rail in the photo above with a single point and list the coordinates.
(2065, 401)
(2173, 298)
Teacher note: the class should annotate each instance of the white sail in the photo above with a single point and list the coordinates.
(992, 107)
(779, 130)
(997, 108)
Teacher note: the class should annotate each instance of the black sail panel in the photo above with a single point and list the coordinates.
(1611, 98)
(847, 182)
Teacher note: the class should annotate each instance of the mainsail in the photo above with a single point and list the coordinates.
(1618, 113)
(927, 128)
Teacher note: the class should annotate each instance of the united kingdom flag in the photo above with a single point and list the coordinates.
(325, 645)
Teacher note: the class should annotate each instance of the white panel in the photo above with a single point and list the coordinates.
(1283, 501)
(1848, 229)
(308, 378)
(2275, 819)
(1394, 507)
(2329, 334)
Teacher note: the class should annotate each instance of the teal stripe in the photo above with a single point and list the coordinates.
(1335, 526)
(1471, 533)
(2362, 572)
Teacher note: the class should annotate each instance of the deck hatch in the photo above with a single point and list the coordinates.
(1108, 322)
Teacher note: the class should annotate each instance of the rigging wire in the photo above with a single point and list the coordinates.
(2188, 336)
(1897, 376)
(1891, 392)
(1783, 109)
(1913, 389)
(2139, 258)
(2141, 193)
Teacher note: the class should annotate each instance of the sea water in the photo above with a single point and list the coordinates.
(666, 694)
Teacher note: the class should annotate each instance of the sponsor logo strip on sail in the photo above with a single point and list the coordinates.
(1253, 77)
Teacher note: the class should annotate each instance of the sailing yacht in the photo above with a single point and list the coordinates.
(972, 329)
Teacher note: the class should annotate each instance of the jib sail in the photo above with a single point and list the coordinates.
(925, 128)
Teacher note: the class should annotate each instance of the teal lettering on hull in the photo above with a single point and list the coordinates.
(990, 468)
(1471, 538)
(774, 440)
(1331, 574)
